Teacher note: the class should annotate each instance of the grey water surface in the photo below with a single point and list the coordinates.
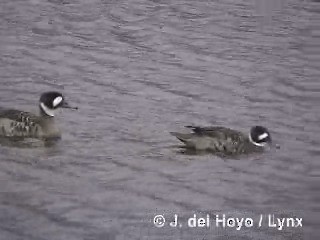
(137, 70)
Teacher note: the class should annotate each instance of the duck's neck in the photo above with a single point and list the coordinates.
(49, 128)
(45, 112)
(255, 143)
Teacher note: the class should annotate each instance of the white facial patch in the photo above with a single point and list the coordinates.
(57, 101)
(263, 136)
(255, 143)
(47, 111)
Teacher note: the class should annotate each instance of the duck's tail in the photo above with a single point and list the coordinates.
(184, 137)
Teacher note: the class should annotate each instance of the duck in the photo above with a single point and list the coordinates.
(225, 141)
(21, 124)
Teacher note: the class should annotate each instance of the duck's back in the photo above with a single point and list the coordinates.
(217, 139)
(222, 134)
(226, 140)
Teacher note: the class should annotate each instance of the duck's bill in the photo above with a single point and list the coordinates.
(66, 105)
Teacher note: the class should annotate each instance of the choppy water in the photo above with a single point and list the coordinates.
(137, 70)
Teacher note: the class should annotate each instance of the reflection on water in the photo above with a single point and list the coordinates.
(17, 142)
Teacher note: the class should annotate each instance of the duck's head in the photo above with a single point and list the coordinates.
(260, 136)
(51, 101)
